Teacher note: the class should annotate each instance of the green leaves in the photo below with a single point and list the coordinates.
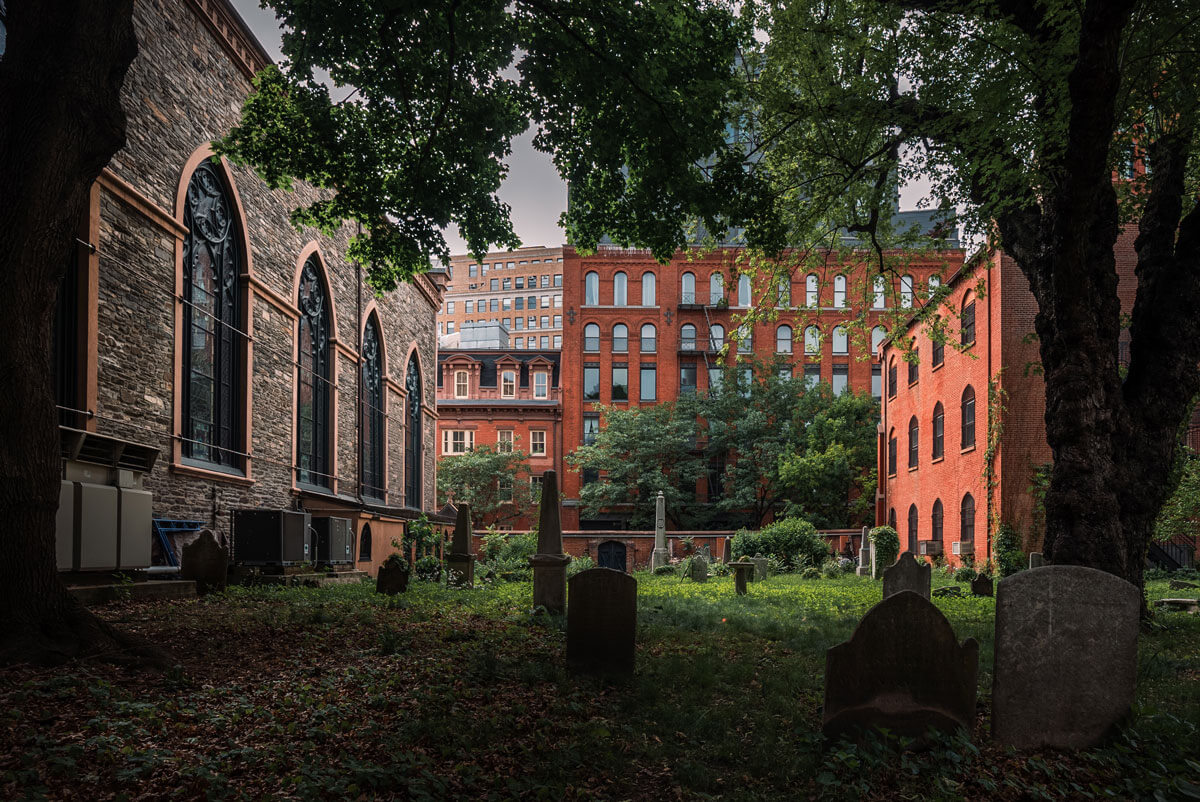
(495, 483)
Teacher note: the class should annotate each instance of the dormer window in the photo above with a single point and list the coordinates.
(461, 384)
(541, 385)
(508, 384)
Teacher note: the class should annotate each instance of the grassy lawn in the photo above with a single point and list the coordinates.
(437, 694)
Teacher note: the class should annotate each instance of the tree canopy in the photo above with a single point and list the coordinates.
(495, 483)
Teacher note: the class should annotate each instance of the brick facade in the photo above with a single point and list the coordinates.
(673, 307)
(482, 407)
(529, 278)
(185, 89)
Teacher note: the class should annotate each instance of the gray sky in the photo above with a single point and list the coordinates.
(533, 190)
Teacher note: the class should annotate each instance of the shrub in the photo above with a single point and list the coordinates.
(776, 566)
(831, 570)
(507, 554)
(965, 574)
(664, 570)
(428, 569)
(793, 541)
(584, 563)
(720, 569)
(886, 543)
(811, 572)
(1009, 557)
(846, 565)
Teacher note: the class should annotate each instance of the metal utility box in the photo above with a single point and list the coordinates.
(271, 537)
(930, 548)
(333, 540)
(103, 520)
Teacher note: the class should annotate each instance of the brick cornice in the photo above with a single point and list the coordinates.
(232, 33)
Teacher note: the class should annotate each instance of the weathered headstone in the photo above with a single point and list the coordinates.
(1036, 560)
(903, 669)
(1179, 605)
(602, 621)
(392, 578)
(205, 562)
(982, 586)
(1179, 584)
(699, 568)
(706, 553)
(948, 591)
(864, 558)
(550, 564)
(460, 563)
(660, 556)
(908, 574)
(1066, 656)
(727, 550)
(760, 567)
(743, 571)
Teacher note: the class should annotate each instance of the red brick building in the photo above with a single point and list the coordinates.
(640, 333)
(952, 464)
(505, 399)
(522, 290)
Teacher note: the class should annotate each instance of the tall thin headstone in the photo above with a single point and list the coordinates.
(908, 574)
(460, 562)
(602, 621)
(550, 564)
(659, 556)
(1066, 656)
(1036, 560)
(206, 562)
(864, 554)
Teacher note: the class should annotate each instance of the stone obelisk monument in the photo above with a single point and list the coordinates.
(550, 564)
(460, 563)
(659, 556)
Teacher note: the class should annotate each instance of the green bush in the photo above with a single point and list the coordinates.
(793, 541)
(776, 566)
(811, 572)
(886, 543)
(831, 569)
(664, 570)
(507, 554)
(584, 563)
(720, 569)
(428, 569)
(965, 574)
(1009, 557)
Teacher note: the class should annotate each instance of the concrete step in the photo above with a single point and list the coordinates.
(94, 595)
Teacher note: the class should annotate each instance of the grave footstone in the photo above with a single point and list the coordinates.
(601, 621)
(1036, 560)
(908, 574)
(1179, 584)
(1179, 605)
(699, 569)
(903, 669)
(205, 562)
(1066, 656)
(460, 563)
(660, 557)
(982, 586)
(550, 564)
(743, 571)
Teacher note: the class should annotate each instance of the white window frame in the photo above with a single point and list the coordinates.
(462, 384)
(536, 448)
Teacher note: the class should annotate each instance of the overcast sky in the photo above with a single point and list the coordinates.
(534, 190)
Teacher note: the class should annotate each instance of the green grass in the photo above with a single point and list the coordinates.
(341, 692)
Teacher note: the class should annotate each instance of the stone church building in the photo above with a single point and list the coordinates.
(196, 321)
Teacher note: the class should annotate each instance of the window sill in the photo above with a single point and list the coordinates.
(936, 460)
(213, 474)
(967, 450)
(914, 468)
(938, 366)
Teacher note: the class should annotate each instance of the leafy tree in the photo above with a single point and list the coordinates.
(1021, 113)
(637, 453)
(495, 483)
(629, 96)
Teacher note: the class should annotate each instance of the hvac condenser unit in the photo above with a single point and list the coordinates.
(271, 537)
(333, 540)
(956, 549)
(929, 548)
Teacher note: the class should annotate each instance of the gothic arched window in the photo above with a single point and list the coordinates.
(412, 435)
(372, 475)
(313, 389)
(212, 349)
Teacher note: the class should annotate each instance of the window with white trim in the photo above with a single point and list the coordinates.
(457, 441)
(461, 383)
(504, 440)
(508, 384)
(537, 442)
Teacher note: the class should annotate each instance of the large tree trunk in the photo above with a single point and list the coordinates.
(60, 83)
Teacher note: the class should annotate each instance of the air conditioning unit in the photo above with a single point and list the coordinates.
(271, 537)
(930, 548)
(333, 540)
(956, 549)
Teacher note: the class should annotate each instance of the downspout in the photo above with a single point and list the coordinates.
(995, 454)
(358, 388)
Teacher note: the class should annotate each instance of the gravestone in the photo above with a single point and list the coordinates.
(660, 556)
(1179, 605)
(460, 563)
(903, 669)
(743, 572)
(949, 591)
(760, 567)
(1066, 656)
(908, 574)
(205, 562)
(864, 559)
(699, 568)
(1036, 560)
(982, 586)
(727, 554)
(1179, 584)
(601, 621)
(391, 578)
(550, 564)
(706, 553)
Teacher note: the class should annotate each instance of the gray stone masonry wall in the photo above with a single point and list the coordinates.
(182, 92)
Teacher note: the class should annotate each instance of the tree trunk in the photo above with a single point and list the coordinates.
(60, 84)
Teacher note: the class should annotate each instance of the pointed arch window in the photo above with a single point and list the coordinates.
(967, 515)
(914, 441)
(313, 386)
(935, 532)
(912, 528)
(687, 287)
(364, 544)
(372, 421)
(412, 435)
(213, 349)
(891, 463)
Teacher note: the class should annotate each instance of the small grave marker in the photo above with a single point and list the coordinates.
(205, 562)
(699, 568)
(908, 574)
(982, 586)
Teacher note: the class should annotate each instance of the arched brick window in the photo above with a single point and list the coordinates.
(939, 430)
(968, 417)
(912, 528)
(967, 525)
(935, 531)
(313, 386)
(914, 441)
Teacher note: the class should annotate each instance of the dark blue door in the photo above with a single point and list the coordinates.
(611, 554)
